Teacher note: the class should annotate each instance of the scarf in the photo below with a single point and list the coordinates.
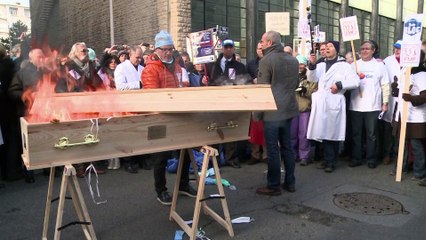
(85, 67)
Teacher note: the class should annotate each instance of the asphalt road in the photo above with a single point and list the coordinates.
(132, 211)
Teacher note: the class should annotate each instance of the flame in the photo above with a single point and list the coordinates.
(43, 103)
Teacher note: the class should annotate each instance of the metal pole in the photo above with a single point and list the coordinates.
(343, 13)
(398, 21)
(420, 6)
(111, 22)
(374, 24)
(251, 34)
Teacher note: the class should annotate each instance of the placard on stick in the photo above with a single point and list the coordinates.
(278, 21)
(202, 46)
(410, 57)
(349, 28)
(410, 53)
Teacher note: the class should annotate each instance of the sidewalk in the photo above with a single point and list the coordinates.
(132, 211)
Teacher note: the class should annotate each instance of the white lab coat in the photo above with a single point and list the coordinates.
(328, 114)
(126, 77)
(394, 69)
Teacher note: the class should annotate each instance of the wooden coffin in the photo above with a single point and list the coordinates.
(172, 100)
(127, 136)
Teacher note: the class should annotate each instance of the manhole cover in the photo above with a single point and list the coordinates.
(368, 203)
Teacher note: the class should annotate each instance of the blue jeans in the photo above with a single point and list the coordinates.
(369, 121)
(278, 145)
(419, 166)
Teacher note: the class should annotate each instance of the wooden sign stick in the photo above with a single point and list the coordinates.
(356, 65)
(403, 128)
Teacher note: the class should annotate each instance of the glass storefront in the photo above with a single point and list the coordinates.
(233, 13)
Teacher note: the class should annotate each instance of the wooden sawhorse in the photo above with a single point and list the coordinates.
(69, 179)
(200, 202)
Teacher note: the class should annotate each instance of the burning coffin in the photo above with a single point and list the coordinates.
(184, 118)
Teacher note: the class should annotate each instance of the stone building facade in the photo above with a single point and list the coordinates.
(135, 21)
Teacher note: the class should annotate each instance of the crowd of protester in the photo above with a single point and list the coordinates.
(327, 109)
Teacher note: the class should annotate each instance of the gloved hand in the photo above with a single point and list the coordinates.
(394, 87)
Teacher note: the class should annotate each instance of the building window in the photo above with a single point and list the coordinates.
(27, 13)
(13, 11)
(386, 35)
(206, 14)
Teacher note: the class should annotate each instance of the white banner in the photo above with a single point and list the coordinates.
(410, 53)
(278, 21)
(349, 28)
(413, 25)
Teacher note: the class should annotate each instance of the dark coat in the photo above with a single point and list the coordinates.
(7, 70)
(26, 78)
(217, 77)
(253, 68)
(281, 70)
(77, 81)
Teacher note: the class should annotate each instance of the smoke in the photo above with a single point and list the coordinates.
(241, 79)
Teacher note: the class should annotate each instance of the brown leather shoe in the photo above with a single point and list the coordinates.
(268, 191)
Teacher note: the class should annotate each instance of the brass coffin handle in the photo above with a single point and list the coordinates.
(213, 126)
(64, 142)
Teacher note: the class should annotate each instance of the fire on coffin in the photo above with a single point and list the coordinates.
(178, 119)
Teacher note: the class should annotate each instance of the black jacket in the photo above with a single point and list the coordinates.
(26, 78)
(76, 80)
(7, 70)
(253, 68)
(217, 77)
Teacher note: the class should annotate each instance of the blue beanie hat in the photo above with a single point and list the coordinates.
(92, 54)
(163, 38)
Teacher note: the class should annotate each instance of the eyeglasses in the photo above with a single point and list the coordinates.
(167, 49)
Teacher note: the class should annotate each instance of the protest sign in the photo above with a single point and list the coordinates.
(203, 46)
(413, 27)
(349, 28)
(303, 29)
(410, 53)
(278, 21)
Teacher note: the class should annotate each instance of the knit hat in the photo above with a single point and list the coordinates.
(163, 38)
(336, 45)
(302, 59)
(92, 54)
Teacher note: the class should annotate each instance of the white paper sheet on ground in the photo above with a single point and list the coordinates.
(242, 220)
